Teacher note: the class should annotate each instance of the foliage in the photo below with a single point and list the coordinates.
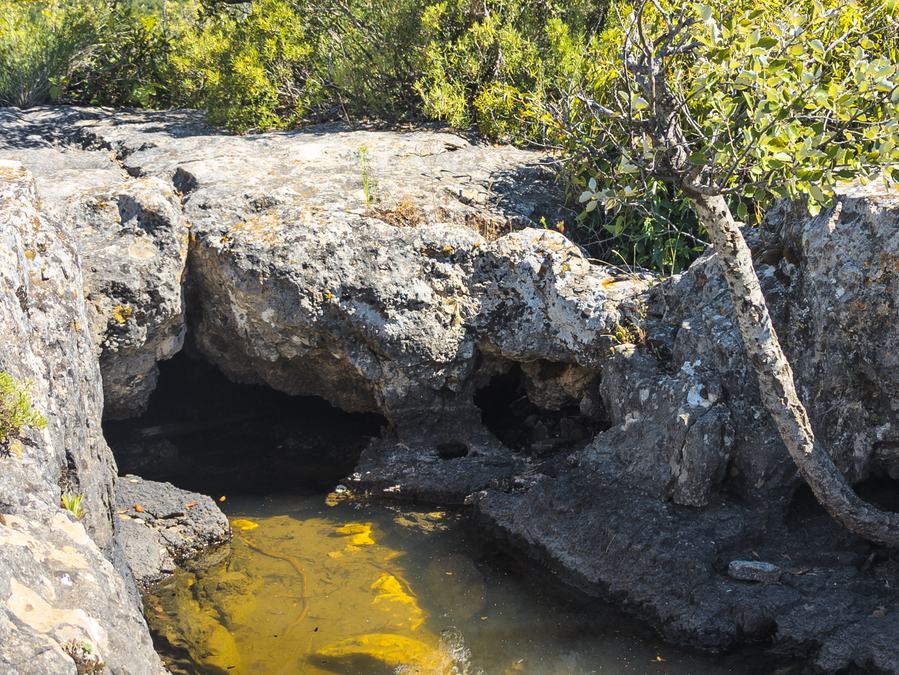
(82, 653)
(246, 65)
(39, 42)
(16, 411)
(73, 504)
(547, 72)
(496, 64)
(365, 56)
(775, 99)
(129, 64)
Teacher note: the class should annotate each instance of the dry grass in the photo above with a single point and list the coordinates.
(404, 213)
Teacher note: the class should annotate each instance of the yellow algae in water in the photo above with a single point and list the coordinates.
(389, 589)
(244, 525)
(359, 534)
(366, 652)
(194, 626)
(426, 522)
(283, 597)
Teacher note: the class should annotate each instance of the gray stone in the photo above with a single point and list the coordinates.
(160, 527)
(753, 570)
(411, 300)
(56, 586)
(132, 237)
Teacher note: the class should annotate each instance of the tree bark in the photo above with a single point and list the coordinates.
(776, 384)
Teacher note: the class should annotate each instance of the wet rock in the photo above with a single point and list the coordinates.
(753, 570)
(160, 527)
(669, 565)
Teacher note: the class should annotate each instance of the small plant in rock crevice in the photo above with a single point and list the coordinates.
(16, 411)
(368, 184)
(72, 503)
(86, 662)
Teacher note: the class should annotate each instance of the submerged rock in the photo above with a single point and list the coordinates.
(753, 570)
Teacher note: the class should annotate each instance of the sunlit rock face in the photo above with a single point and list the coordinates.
(45, 340)
(409, 273)
(131, 235)
(62, 603)
(60, 598)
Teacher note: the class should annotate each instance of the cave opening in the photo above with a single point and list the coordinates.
(205, 433)
(510, 413)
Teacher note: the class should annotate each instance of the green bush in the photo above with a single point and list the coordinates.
(129, 64)
(73, 503)
(651, 227)
(498, 65)
(40, 41)
(16, 412)
(247, 65)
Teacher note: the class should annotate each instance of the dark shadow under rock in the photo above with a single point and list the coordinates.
(205, 433)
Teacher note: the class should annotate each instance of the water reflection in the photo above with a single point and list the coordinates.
(324, 586)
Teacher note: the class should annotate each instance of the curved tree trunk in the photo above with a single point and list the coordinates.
(775, 378)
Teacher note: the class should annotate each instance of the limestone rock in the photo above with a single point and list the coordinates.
(133, 240)
(132, 237)
(56, 586)
(58, 592)
(160, 526)
(753, 570)
(45, 340)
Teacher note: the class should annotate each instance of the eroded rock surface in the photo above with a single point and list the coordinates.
(160, 526)
(409, 273)
(56, 586)
(132, 237)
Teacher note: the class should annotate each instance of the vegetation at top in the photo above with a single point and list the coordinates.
(531, 72)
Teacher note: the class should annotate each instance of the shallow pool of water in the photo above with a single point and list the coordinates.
(313, 584)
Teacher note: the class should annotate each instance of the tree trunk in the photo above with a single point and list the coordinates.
(775, 379)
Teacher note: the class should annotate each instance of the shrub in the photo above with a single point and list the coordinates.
(128, 65)
(16, 412)
(39, 43)
(652, 226)
(246, 65)
(496, 65)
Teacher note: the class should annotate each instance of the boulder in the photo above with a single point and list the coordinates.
(64, 605)
(132, 237)
(160, 527)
